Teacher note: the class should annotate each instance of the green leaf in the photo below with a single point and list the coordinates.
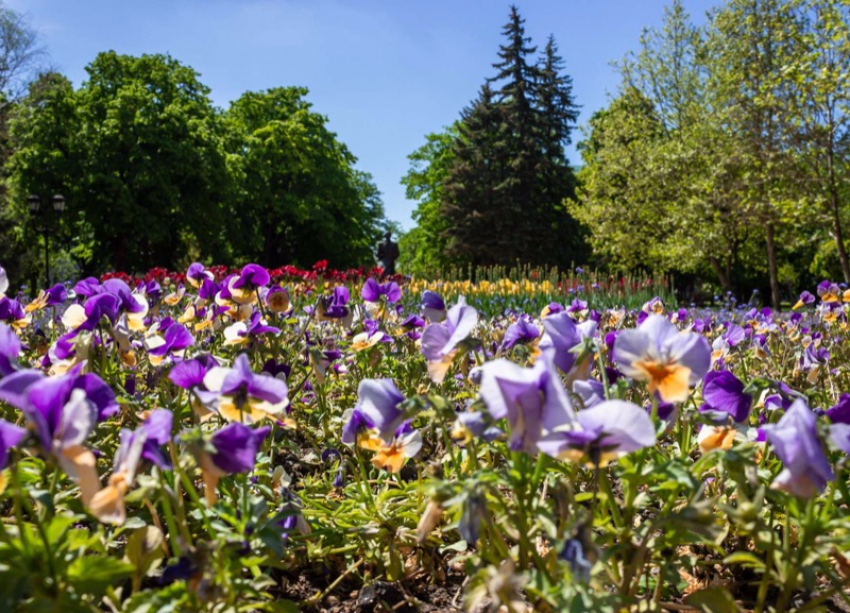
(713, 600)
(94, 574)
(745, 559)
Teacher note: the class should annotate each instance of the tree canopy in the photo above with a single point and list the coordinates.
(155, 175)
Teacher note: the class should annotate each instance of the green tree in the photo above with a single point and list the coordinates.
(44, 160)
(750, 47)
(820, 125)
(423, 183)
(505, 178)
(618, 198)
(153, 181)
(297, 197)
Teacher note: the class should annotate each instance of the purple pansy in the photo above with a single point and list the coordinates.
(189, 374)
(10, 436)
(372, 291)
(530, 399)
(433, 306)
(521, 331)
(795, 441)
(609, 430)
(236, 446)
(378, 407)
(56, 295)
(840, 413)
(724, 393)
(671, 361)
(243, 395)
(176, 339)
(440, 341)
(10, 349)
(561, 336)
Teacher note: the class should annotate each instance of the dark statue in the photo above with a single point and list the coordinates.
(388, 254)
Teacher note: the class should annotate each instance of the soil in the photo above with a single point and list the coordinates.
(418, 595)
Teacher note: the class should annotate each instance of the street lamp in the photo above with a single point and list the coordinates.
(45, 222)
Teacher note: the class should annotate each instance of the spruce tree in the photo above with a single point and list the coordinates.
(475, 232)
(558, 115)
(519, 136)
(505, 192)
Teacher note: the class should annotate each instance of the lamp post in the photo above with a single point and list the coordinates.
(44, 217)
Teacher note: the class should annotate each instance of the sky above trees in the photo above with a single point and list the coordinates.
(385, 73)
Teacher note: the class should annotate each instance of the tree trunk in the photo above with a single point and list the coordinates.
(772, 267)
(837, 232)
(722, 277)
(839, 243)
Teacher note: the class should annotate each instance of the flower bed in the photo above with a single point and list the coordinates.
(284, 440)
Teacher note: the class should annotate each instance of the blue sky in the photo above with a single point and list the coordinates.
(385, 72)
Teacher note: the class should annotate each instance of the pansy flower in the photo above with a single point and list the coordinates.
(197, 274)
(243, 332)
(411, 326)
(577, 308)
(173, 342)
(600, 434)
(189, 374)
(335, 306)
(377, 412)
(13, 313)
(391, 456)
(530, 399)
(244, 396)
(806, 298)
(134, 446)
(231, 450)
(812, 360)
(840, 413)
(724, 396)
(55, 296)
(277, 300)
(669, 360)
(10, 437)
(561, 336)
(62, 416)
(829, 292)
(367, 340)
(440, 341)
(10, 349)
(551, 309)
(795, 441)
(372, 291)
(653, 306)
(522, 331)
(244, 286)
(433, 306)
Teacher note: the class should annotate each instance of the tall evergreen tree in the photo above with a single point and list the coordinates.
(477, 229)
(558, 115)
(519, 134)
(505, 190)
(556, 101)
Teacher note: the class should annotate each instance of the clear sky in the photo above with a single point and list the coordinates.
(385, 72)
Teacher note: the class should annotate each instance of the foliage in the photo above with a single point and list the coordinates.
(737, 176)
(299, 198)
(139, 145)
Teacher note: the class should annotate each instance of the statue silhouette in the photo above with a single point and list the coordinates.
(388, 254)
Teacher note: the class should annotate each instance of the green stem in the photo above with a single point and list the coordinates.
(765, 579)
(21, 498)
